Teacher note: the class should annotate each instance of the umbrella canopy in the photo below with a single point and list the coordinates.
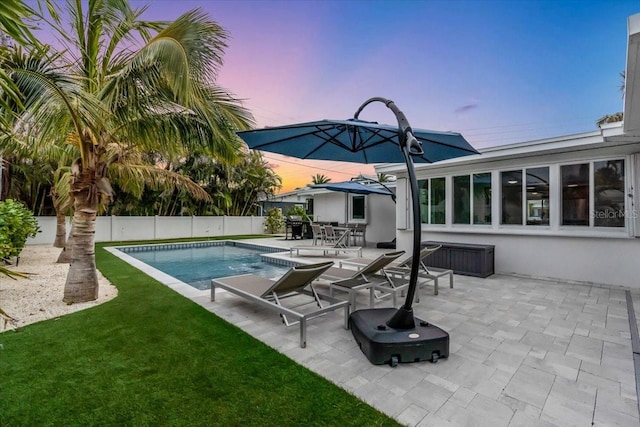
(360, 141)
(354, 140)
(353, 187)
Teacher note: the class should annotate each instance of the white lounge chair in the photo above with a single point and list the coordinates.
(270, 294)
(340, 245)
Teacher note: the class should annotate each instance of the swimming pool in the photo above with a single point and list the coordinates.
(197, 263)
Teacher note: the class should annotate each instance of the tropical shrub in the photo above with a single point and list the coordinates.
(17, 223)
(274, 221)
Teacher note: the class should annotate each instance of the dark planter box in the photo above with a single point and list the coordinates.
(463, 258)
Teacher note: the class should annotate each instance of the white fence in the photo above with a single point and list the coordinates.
(127, 228)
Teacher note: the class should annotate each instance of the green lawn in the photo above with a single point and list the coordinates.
(152, 357)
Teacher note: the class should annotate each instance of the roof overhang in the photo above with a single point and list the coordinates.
(609, 140)
(632, 77)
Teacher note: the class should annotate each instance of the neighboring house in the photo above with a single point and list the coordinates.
(375, 210)
(285, 201)
(564, 208)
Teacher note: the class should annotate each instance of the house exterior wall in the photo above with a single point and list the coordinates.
(329, 207)
(381, 214)
(557, 250)
(574, 259)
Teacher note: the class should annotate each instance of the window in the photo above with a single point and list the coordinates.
(461, 199)
(511, 197)
(604, 203)
(357, 207)
(609, 206)
(531, 186)
(575, 194)
(482, 198)
(464, 202)
(588, 194)
(423, 194)
(432, 196)
(309, 208)
(537, 182)
(437, 207)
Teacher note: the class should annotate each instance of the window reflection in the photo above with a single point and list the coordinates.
(482, 198)
(358, 207)
(511, 197)
(437, 202)
(461, 199)
(537, 196)
(423, 195)
(575, 194)
(609, 196)
(431, 193)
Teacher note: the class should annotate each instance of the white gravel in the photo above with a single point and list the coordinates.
(39, 297)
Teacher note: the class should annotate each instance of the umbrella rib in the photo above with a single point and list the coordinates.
(446, 144)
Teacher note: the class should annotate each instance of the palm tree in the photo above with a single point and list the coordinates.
(112, 102)
(320, 179)
(383, 177)
(13, 14)
(619, 116)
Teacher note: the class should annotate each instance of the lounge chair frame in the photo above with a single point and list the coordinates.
(372, 276)
(270, 294)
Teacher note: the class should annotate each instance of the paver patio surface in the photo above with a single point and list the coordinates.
(523, 352)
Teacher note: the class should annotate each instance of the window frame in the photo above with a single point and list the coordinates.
(445, 202)
(471, 195)
(352, 197)
(591, 226)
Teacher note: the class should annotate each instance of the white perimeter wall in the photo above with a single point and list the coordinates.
(611, 261)
(127, 228)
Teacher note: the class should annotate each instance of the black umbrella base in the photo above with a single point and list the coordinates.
(383, 344)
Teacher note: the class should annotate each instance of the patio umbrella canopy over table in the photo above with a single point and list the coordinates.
(384, 335)
(353, 187)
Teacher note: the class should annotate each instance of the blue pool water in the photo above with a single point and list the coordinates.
(198, 265)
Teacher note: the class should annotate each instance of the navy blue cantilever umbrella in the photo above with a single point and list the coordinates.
(354, 141)
(360, 141)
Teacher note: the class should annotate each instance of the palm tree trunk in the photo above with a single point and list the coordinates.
(67, 251)
(82, 279)
(61, 230)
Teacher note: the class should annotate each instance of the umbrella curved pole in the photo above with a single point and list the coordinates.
(404, 318)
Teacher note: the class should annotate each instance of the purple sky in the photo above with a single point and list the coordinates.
(499, 72)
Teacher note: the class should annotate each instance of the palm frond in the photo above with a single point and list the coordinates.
(134, 178)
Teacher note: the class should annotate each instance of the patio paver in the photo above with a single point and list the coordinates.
(523, 352)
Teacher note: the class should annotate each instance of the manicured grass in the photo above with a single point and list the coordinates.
(151, 357)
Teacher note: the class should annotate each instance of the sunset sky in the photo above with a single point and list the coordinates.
(497, 71)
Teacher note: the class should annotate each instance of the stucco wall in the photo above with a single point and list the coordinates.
(329, 207)
(608, 261)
